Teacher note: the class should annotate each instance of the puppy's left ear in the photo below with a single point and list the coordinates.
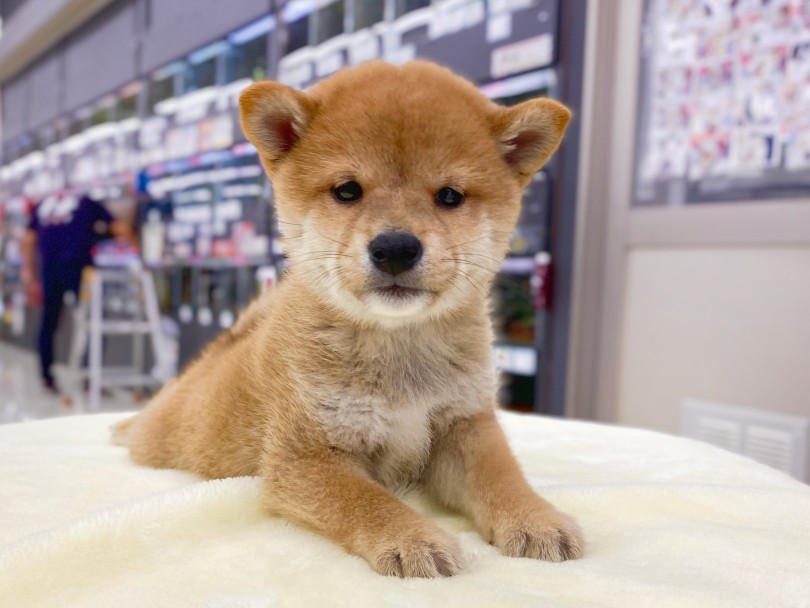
(530, 132)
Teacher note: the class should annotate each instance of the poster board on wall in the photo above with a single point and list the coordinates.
(724, 101)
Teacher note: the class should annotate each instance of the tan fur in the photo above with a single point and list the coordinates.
(337, 398)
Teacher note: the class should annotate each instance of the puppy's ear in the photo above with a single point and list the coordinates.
(530, 132)
(274, 117)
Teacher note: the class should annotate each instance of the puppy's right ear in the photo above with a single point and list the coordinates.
(274, 117)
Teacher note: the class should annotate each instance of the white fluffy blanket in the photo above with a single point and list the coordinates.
(669, 522)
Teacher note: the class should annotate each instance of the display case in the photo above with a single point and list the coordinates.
(206, 221)
(171, 141)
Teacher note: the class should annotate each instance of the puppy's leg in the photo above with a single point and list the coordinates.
(473, 470)
(331, 494)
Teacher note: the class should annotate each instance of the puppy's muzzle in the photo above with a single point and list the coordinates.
(395, 252)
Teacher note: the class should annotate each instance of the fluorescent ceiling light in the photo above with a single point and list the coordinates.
(208, 52)
(517, 85)
(253, 30)
(168, 70)
(297, 9)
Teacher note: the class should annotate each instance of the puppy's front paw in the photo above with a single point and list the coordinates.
(540, 532)
(427, 552)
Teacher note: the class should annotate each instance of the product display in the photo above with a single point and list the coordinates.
(167, 149)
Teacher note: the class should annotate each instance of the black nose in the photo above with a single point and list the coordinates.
(395, 252)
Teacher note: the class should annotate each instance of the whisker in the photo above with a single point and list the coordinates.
(477, 240)
(324, 251)
(333, 240)
(316, 232)
(313, 260)
(338, 275)
(330, 255)
(471, 264)
(325, 274)
(480, 255)
(470, 280)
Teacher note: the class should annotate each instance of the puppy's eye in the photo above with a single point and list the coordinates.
(350, 192)
(447, 197)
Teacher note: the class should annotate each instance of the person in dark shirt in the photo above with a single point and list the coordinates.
(63, 230)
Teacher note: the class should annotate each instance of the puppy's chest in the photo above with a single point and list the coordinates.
(384, 411)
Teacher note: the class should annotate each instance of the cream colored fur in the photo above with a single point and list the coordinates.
(338, 394)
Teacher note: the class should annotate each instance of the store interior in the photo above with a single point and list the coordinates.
(645, 436)
(708, 161)
(166, 153)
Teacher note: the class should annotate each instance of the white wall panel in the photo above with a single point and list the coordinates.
(724, 324)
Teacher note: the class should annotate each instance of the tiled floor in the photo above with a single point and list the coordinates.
(22, 397)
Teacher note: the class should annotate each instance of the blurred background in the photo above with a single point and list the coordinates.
(659, 276)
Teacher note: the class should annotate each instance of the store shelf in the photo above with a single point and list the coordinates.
(212, 264)
(125, 327)
(516, 360)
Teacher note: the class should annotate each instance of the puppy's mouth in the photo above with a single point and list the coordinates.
(398, 292)
(393, 299)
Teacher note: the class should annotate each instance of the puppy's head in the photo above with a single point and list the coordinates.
(397, 188)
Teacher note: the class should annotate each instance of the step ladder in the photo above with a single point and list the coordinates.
(90, 327)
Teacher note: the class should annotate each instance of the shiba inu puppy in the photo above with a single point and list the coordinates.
(370, 368)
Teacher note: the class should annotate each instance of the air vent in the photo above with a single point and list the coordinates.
(776, 440)
(770, 446)
(722, 433)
